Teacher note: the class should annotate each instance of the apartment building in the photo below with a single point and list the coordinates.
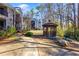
(6, 16)
(19, 19)
(10, 17)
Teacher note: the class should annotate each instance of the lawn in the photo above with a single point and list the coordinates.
(37, 32)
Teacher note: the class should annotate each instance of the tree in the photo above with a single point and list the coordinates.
(78, 16)
(60, 13)
(41, 11)
(32, 13)
(74, 12)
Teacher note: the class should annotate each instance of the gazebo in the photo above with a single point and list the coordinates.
(49, 29)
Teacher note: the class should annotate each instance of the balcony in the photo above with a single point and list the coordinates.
(3, 11)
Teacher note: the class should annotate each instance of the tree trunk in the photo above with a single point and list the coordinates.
(78, 16)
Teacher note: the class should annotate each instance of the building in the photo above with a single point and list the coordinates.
(6, 16)
(36, 23)
(32, 24)
(27, 23)
(10, 17)
(19, 19)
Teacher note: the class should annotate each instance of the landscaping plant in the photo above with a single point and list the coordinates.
(60, 31)
(71, 34)
(29, 34)
(10, 31)
(2, 33)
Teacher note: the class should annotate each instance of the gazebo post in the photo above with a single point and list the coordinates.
(47, 31)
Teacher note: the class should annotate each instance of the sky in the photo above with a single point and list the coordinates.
(25, 6)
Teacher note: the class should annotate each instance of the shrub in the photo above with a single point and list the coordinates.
(2, 33)
(71, 34)
(29, 34)
(77, 34)
(10, 31)
(60, 31)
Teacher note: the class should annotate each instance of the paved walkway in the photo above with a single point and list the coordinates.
(47, 48)
(34, 47)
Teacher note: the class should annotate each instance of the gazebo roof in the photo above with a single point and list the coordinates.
(49, 24)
